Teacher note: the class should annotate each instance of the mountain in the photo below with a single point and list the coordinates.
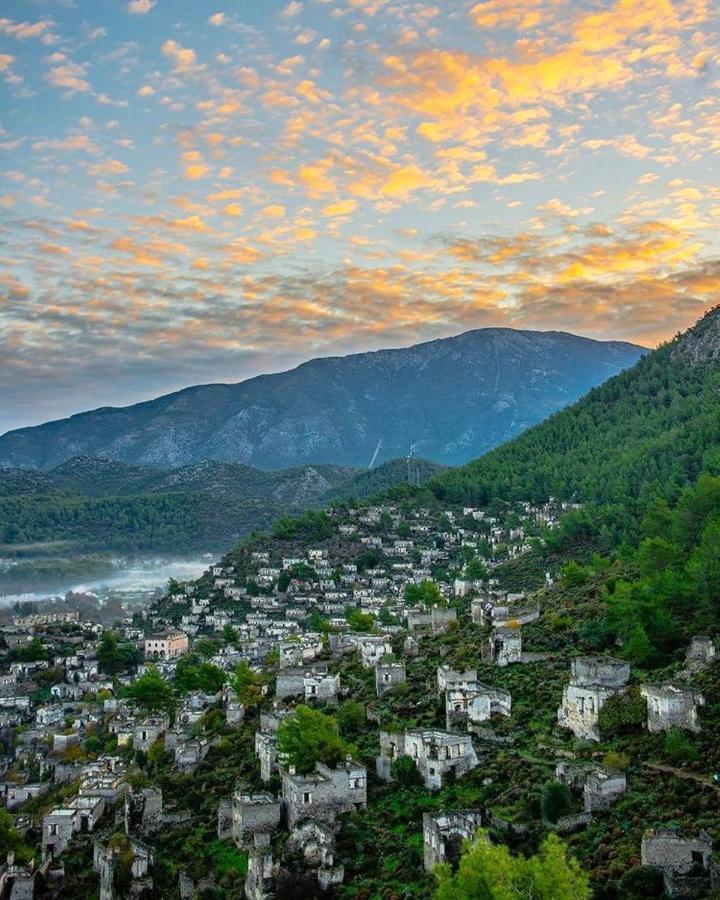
(453, 399)
(100, 504)
(644, 434)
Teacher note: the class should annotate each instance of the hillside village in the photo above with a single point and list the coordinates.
(147, 759)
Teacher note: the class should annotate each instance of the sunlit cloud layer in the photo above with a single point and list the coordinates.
(192, 193)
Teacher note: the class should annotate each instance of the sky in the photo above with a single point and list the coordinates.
(204, 191)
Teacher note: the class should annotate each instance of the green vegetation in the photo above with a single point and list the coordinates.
(646, 433)
(490, 871)
(151, 692)
(115, 656)
(308, 736)
(195, 674)
(427, 593)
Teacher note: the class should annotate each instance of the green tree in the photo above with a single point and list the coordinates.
(351, 718)
(194, 674)
(556, 801)
(489, 871)
(151, 691)
(248, 685)
(405, 772)
(427, 593)
(476, 570)
(359, 621)
(308, 736)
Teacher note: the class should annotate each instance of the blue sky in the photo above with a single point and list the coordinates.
(195, 192)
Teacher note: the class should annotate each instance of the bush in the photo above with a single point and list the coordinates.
(556, 801)
(404, 771)
(640, 883)
(615, 760)
(678, 746)
(623, 712)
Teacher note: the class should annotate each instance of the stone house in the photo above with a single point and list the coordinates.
(444, 834)
(372, 648)
(314, 843)
(262, 870)
(143, 810)
(17, 794)
(253, 814)
(311, 683)
(474, 703)
(447, 678)
(324, 793)
(90, 809)
(387, 676)
(266, 752)
(592, 680)
(234, 709)
(504, 646)
(671, 706)
(435, 753)
(148, 730)
(700, 654)
(58, 828)
(600, 786)
(686, 863)
(107, 854)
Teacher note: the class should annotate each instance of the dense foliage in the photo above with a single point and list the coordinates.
(491, 872)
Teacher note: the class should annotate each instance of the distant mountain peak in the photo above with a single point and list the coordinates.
(701, 344)
(452, 398)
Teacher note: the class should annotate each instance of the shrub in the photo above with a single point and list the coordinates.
(641, 882)
(678, 746)
(404, 771)
(623, 712)
(556, 801)
(615, 760)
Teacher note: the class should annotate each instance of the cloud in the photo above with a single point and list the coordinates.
(25, 30)
(183, 57)
(217, 19)
(140, 7)
(107, 167)
(70, 76)
(292, 9)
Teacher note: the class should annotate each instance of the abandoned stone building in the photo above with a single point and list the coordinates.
(437, 619)
(108, 854)
(592, 680)
(436, 754)
(700, 654)
(387, 676)
(148, 730)
(58, 828)
(266, 752)
(671, 706)
(324, 793)
(262, 869)
(313, 843)
(474, 703)
(450, 678)
(504, 646)
(686, 863)
(312, 683)
(600, 786)
(253, 814)
(372, 649)
(445, 833)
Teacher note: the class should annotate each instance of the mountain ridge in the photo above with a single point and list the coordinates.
(452, 397)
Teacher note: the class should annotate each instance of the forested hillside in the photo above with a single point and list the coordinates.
(645, 433)
(92, 504)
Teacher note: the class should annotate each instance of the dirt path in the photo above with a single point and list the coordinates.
(705, 780)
